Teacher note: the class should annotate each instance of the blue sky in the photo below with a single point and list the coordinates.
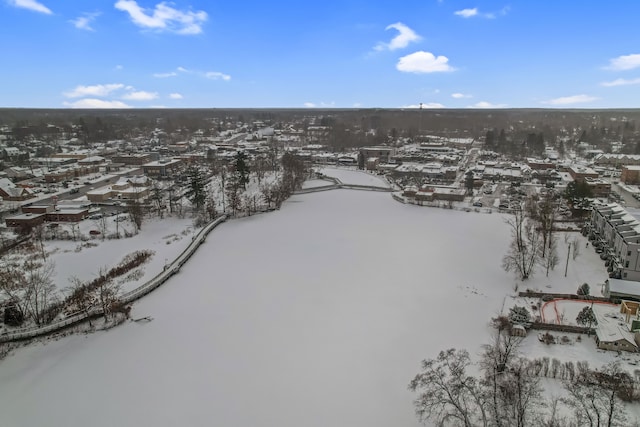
(342, 54)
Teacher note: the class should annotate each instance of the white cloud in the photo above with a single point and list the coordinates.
(164, 17)
(215, 75)
(405, 36)
(31, 5)
(624, 62)
(175, 96)
(119, 67)
(423, 62)
(466, 13)
(425, 105)
(95, 103)
(94, 90)
(621, 82)
(460, 95)
(320, 105)
(212, 75)
(568, 100)
(470, 13)
(84, 22)
(165, 75)
(485, 104)
(140, 96)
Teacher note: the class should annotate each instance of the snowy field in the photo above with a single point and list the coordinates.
(317, 314)
(167, 238)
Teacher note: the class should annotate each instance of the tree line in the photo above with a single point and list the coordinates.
(504, 389)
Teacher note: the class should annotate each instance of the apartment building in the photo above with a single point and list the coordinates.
(616, 233)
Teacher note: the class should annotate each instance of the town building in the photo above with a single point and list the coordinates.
(162, 168)
(579, 173)
(630, 174)
(383, 154)
(616, 233)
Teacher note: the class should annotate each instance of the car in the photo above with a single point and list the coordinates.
(477, 204)
(120, 218)
(96, 216)
(74, 191)
(87, 183)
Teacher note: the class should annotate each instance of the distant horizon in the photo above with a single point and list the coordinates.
(484, 110)
(121, 54)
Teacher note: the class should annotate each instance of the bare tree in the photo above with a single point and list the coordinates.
(496, 358)
(267, 191)
(520, 393)
(234, 192)
(80, 297)
(543, 212)
(593, 395)
(446, 393)
(524, 249)
(101, 223)
(39, 291)
(551, 261)
(136, 212)
(575, 246)
(157, 198)
(38, 234)
(107, 293)
(75, 230)
(11, 286)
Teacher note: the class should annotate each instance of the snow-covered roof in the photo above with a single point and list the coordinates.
(6, 183)
(611, 328)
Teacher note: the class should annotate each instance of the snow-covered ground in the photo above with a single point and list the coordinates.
(167, 238)
(355, 177)
(317, 314)
(316, 183)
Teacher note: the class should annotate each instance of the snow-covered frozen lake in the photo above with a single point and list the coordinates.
(317, 314)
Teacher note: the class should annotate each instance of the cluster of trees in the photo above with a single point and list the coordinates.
(507, 389)
(287, 173)
(31, 295)
(533, 240)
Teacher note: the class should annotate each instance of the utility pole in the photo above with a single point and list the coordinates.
(566, 267)
(420, 121)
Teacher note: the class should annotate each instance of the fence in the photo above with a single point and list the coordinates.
(561, 328)
(126, 298)
(530, 294)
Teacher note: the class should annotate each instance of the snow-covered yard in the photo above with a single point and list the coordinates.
(317, 314)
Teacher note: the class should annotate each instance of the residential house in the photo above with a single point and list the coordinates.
(11, 192)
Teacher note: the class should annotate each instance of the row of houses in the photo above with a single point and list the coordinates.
(616, 233)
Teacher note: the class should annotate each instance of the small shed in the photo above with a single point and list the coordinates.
(518, 331)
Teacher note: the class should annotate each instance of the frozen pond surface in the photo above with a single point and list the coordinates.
(314, 315)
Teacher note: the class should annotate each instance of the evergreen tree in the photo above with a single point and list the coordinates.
(196, 193)
(242, 169)
(587, 317)
(583, 289)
